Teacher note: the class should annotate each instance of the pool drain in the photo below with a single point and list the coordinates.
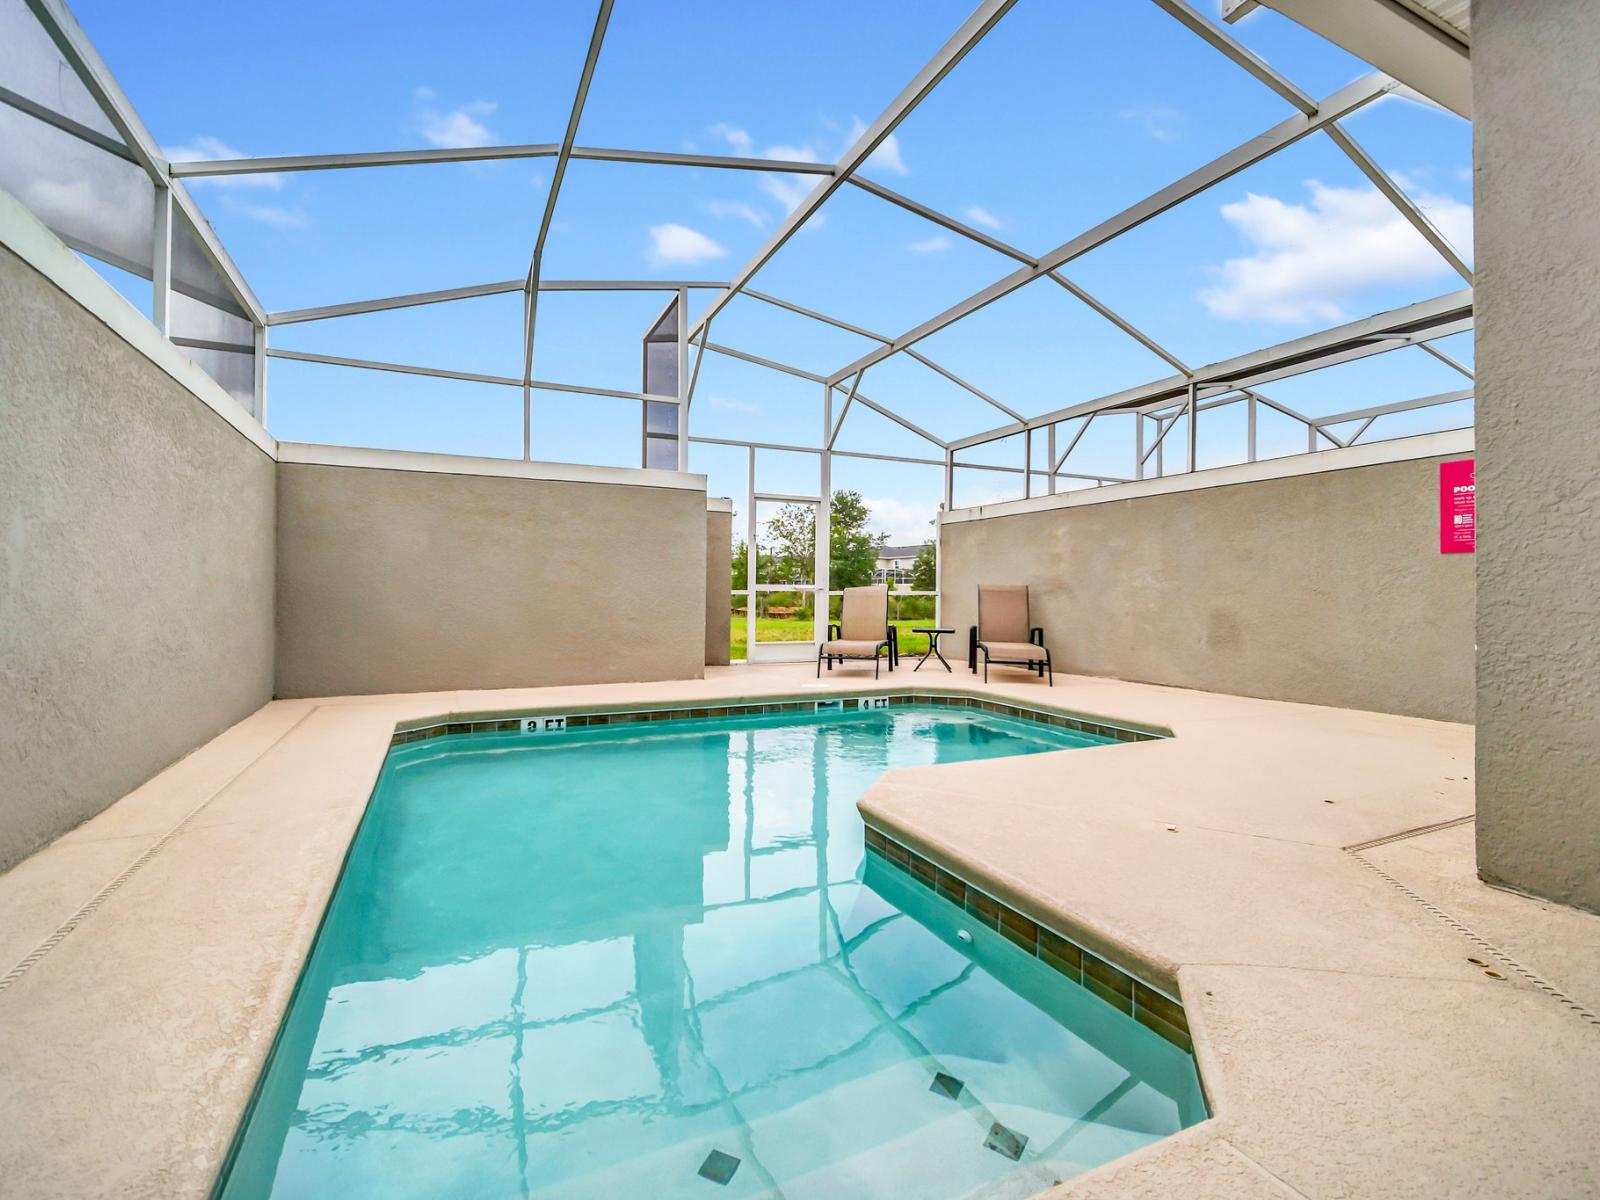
(719, 1167)
(1006, 1141)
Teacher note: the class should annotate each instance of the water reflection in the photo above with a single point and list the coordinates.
(577, 967)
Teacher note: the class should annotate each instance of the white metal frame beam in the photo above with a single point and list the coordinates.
(530, 304)
(1286, 133)
(202, 168)
(1221, 39)
(1377, 334)
(542, 385)
(444, 295)
(85, 61)
(945, 221)
(972, 31)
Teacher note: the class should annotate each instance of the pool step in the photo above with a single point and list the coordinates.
(885, 1134)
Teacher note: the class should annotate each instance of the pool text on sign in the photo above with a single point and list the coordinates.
(1458, 508)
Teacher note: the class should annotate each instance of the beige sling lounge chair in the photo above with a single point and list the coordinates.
(863, 630)
(1003, 634)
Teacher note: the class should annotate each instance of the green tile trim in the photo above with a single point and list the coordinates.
(1152, 1008)
(583, 720)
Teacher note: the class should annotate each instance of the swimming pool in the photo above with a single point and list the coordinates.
(654, 960)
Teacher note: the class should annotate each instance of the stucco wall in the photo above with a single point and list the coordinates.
(1536, 93)
(408, 580)
(1325, 588)
(136, 566)
(719, 586)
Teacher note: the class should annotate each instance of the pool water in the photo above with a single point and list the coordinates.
(600, 963)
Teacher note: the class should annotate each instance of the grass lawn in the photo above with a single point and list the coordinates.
(778, 629)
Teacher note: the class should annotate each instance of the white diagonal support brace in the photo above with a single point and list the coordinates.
(1396, 196)
(1286, 133)
(1416, 323)
(530, 304)
(972, 31)
(1220, 39)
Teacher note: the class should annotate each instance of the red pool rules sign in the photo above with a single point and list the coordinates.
(1458, 510)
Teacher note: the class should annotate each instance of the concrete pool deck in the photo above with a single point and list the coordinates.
(1348, 1044)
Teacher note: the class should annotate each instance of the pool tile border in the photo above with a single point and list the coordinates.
(581, 720)
(1153, 1009)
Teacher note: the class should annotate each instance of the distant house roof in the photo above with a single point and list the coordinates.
(898, 551)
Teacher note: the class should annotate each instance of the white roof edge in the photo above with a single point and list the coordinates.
(1408, 39)
(31, 240)
(1426, 445)
(309, 454)
(719, 504)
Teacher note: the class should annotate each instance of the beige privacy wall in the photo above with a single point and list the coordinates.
(404, 580)
(136, 562)
(1536, 96)
(719, 581)
(1324, 588)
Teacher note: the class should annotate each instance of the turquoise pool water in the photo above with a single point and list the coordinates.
(594, 964)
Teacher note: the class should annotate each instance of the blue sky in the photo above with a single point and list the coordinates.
(1066, 113)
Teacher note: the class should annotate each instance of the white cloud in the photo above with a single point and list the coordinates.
(981, 216)
(791, 153)
(736, 138)
(740, 210)
(457, 127)
(209, 149)
(1311, 258)
(728, 404)
(887, 156)
(906, 522)
(671, 243)
(1159, 121)
(789, 191)
(930, 245)
(272, 214)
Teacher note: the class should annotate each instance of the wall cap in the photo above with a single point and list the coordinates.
(32, 241)
(1406, 449)
(308, 454)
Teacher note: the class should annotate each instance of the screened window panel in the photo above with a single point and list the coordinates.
(192, 271)
(235, 372)
(661, 368)
(33, 68)
(661, 418)
(96, 202)
(233, 369)
(666, 329)
(661, 453)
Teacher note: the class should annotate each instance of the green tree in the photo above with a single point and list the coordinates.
(741, 567)
(852, 547)
(792, 538)
(925, 570)
(791, 541)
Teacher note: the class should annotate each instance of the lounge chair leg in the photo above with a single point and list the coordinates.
(1050, 669)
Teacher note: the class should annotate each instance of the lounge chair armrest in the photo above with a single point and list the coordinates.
(1036, 635)
(833, 631)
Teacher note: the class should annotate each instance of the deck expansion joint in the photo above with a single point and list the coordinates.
(1541, 984)
(93, 904)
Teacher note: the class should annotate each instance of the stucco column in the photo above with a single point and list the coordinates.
(1536, 103)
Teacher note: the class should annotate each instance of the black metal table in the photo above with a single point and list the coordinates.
(933, 645)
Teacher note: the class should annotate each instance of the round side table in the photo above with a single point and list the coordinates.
(933, 645)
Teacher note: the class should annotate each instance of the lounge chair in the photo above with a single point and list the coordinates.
(863, 630)
(1003, 634)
